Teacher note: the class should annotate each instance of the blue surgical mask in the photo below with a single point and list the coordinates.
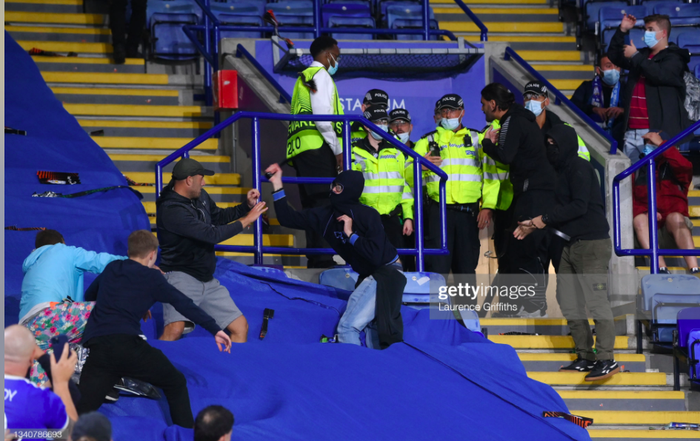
(534, 106)
(404, 137)
(650, 38)
(333, 69)
(376, 135)
(611, 77)
(450, 123)
(648, 148)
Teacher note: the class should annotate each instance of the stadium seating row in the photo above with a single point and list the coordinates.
(166, 18)
(682, 14)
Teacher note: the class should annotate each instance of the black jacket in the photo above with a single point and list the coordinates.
(579, 210)
(188, 229)
(367, 250)
(665, 87)
(521, 145)
(584, 95)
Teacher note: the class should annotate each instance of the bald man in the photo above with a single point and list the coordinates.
(26, 405)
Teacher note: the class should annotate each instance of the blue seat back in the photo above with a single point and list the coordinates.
(690, 39)
(688, 320)
(407, 11)
(229, 10)
(294, 13)
(173, 9)
(611, 17)
(591, 10)
(663, 295)
(402, 23)
(354, 10)
(635, 34)
(696, 71)
(165, 21)
(386, 3)
(681, 14)
(339, 21)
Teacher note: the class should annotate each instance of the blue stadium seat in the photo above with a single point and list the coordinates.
(165, 21)
(681, 14)
(383, 5)
(239, 14)
(690, 39)
(349, 10)
(697, 71)
(591, 9)
(651, 4)
(339, 21)
(408, 16)
(635, 34)
(294, 13)
(610, 19)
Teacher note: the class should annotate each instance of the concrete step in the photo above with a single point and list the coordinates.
(550, 341)
(640, 434)
(469, 26)
(123, 142)
(99, 95)
(12, 17)
(174, 129)
(53, 6)
(147, 162)
(105, 78)
(499, 15)
(217, 179)
(65, 46)
(55, 33)
(545, 326)
(637, 418)
(135, 110)
(553, 361)
(88, 64)
(635, 379)
(623, 400)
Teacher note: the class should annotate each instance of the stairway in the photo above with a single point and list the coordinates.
(534, 30)
(137, 117)
(632, 405)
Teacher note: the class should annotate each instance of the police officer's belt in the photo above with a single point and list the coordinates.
(473, 207)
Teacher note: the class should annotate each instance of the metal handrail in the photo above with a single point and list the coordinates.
(242, 52)
(561, 98)
(484, 36)
(258, 249)
(649, 160)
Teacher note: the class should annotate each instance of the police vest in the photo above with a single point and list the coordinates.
(385, 183)
(498, 190)
(303, 135)
(462, 161)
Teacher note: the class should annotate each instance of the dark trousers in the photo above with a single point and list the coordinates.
(462, 242)
(117, 22)
(319, 163)
(115, 356)
(393, 230)
(502, 220)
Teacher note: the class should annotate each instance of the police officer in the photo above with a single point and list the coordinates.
(536, 98)
(373, 98)
(400, 124)
(316, 146)
(383, 168)
(456, 150)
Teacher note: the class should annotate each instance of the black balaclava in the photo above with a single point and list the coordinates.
(353, 183)
(565, 147)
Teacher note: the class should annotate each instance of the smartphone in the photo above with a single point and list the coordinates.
(434, 149)
(57, 343)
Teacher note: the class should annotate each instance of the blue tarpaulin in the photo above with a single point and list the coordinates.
(444, 383)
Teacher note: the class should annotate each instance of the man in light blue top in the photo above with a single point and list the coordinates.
(52, 288)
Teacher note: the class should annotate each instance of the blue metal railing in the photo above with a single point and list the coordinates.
(210, 49)
(650, 162)
(258, 249)
(284, 95)
(561, 98)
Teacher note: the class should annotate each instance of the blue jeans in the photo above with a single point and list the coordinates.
(634, 144)
(359, 314)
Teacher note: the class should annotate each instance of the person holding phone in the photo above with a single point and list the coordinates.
(124, 293)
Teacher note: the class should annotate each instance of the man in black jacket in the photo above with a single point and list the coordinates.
(356, 233)
(655, 90)
(189, 225)
(124, 293)
(520, 144)
(579, 217)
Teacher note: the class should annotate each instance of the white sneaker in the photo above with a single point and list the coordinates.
(540, 313)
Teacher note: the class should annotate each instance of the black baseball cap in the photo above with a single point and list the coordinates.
(376, 97)
(537, 88)
(375, 113)
(189, 167)
(398, 114)
(93, 425)
(451, 101)
(437, 106)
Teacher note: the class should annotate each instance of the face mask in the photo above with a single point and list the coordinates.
(611, 77)
(650, 38)
(376, 135)
(534, 106)
(404, 137)
(450, 123)
(333, 69)
(552, 153)
(648, 148)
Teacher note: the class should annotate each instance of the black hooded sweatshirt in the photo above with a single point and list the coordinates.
(368, 248)
(579, 212)
(665, 87)
(521, 145)
(188, 229)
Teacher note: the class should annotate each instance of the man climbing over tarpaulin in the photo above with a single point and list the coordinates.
(356, 233)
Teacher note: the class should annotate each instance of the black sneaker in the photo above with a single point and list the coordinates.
(603, 369)
(695, 271)
(112, 396)
(119, 53)
(579, 365)
(664, 270)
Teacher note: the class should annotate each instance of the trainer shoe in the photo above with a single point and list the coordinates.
(695, 271)
(538, 313)
(112, 396)
(664, 270)
(579, 365)
(603, 369)
(119, 53)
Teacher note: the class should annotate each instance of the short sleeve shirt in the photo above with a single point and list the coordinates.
(30, 407)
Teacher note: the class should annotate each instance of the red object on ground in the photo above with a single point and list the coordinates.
(226, 90)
